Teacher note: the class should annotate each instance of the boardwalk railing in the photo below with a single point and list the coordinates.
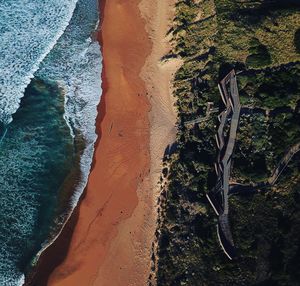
(283, 163)
(218, 197)
(209, 111)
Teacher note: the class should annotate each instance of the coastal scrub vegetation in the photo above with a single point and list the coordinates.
(261, 41)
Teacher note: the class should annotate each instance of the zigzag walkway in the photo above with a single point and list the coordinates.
(283, 163)
(209, 111)
(218, 197)
(235, 189)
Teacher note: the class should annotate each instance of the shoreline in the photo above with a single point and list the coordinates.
(106, 223)
(109, 229)
(47, 259)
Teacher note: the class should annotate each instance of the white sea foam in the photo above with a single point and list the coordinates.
(15, 280)
(29, 30)
(45, 42)
(82, 96)
(77, 69)
(83, 114)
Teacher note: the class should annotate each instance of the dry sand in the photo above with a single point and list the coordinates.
(158, 76)
(111, 241)
(134, 267)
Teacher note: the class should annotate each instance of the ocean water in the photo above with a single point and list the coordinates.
(29, 29)
(50, 86)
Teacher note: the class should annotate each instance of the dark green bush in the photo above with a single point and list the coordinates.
(259, 55)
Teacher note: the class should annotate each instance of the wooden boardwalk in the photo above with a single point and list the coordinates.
(218, 197)
(283, 163)
(200, 119)
(225, 139)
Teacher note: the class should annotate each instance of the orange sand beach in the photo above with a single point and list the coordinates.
(121, 159)
(109, 237)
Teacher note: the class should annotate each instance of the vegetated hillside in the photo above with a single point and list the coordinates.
(261, 40)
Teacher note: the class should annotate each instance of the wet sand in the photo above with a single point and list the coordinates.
(108, 240)
(121, 159)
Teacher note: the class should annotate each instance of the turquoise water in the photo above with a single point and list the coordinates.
(48, 129)
(35, 156)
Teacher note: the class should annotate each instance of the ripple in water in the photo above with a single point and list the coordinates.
(35, 156)
(53, 131)
(29, 29)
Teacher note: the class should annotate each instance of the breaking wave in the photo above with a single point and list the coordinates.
(80, 77)
(29, 30)
(51, 41)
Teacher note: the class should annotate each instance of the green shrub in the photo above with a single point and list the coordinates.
(297, 40)
(259, 55)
